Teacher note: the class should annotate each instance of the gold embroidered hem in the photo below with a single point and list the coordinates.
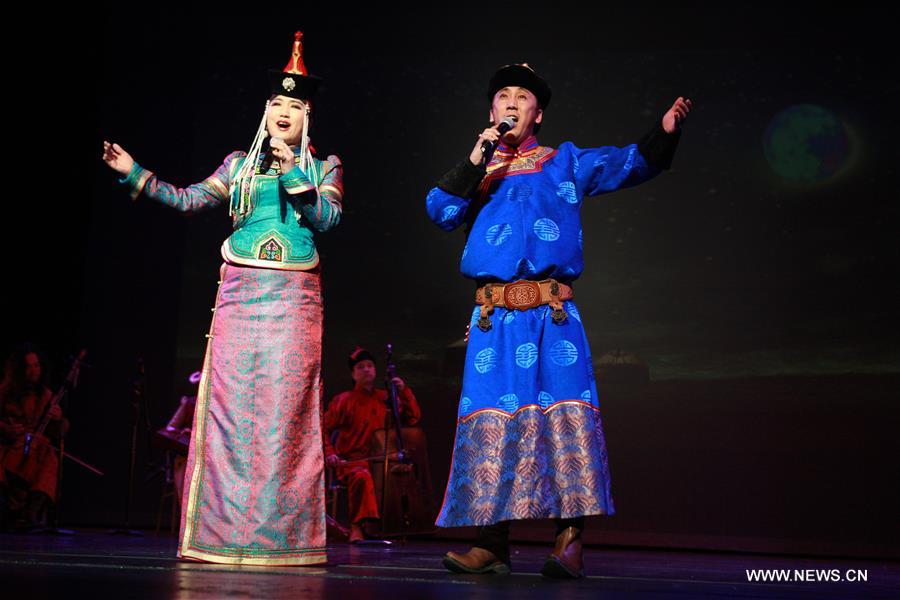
(529, 465)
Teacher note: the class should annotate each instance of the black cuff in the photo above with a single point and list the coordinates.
(658, 147)
(462, 179)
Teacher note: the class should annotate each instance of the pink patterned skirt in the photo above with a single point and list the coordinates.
(254, 484)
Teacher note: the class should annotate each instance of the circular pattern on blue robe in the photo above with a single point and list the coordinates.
(485, 360)
(497, 234)
(575, 165)
(449, 212)
(545, 400)
(566, 191)
(563, 353)
(509, 317)
(602, 161)
(509, 402)
(519, 192)
(586, 395)
(546, 230)
(581, 238)
(429, 199)
(464, 404)
(526, 355)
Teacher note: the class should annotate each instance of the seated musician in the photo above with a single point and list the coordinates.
(355, 415)
(179, 429)
(27, 482)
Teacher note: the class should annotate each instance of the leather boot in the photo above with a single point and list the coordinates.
(476, 560)
(565, 562)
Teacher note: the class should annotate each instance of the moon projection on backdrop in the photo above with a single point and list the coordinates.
(807, 144)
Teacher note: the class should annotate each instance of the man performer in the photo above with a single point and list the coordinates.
(529, 442)
(355, 415)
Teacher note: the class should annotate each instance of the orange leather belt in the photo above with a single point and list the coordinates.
(522, 295)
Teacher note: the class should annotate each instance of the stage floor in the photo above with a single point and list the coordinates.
(96, 565)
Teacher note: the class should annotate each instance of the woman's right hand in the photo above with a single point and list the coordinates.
(117, 159)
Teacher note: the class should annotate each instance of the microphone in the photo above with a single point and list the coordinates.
(268, 156)
(487, 146)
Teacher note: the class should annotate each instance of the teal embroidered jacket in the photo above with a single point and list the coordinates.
(278, 231)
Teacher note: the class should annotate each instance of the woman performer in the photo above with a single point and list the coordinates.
(254, 487)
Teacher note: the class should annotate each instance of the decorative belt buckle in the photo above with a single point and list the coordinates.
(522, 295)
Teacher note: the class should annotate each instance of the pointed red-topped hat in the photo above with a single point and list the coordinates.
(294, 80)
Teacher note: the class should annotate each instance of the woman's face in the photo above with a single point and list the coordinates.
(285, 119)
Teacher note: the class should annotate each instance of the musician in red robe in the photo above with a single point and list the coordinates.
(27, 482)
(353, 417)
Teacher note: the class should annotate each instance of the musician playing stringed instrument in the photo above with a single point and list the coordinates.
(178, 431)
(354, 416)
(28, 480)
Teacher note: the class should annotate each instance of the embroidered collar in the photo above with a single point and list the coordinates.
(529, 143)
(527, 157)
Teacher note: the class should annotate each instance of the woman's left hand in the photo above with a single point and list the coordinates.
(283, 153)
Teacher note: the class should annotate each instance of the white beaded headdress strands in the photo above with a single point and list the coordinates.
(243, 180)
(304, 140)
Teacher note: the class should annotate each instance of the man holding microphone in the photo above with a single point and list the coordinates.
(529, 441)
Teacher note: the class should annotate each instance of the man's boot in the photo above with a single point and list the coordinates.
(565, 562)
(477, 560)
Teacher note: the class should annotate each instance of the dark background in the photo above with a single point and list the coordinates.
(764, 307)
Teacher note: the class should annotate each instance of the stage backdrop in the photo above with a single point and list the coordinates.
(741, 308)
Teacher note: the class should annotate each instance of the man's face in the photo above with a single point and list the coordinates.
(285, 119)
(32, 368)
(363, 372)
(521, 104)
